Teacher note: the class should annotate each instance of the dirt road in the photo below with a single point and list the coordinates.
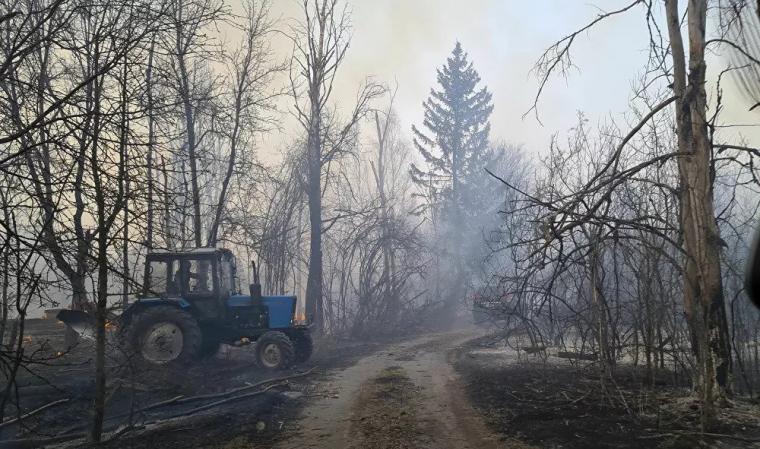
(407, 396)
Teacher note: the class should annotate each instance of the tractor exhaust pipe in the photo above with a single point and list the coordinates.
(255, 287)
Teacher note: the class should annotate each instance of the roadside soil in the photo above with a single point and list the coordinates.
(547, 402)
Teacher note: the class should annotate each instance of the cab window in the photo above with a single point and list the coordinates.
(226, 278)
(200, 277)
(161, 279)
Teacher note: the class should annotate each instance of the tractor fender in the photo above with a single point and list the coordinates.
(146, 303)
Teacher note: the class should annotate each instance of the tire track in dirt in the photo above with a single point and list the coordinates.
(385, 413)
(434, 398)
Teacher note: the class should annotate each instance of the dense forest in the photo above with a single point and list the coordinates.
(128, 126)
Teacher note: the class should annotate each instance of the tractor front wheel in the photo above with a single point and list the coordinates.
(274, 351)
(163, 335)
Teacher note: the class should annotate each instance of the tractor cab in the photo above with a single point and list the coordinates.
(203, 277)
(205, 273)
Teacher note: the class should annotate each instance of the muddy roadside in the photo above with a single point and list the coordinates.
(548, 403)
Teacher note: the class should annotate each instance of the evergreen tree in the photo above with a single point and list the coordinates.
(454, 143)
(453, 182)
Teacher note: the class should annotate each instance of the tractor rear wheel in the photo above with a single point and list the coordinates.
(163, 335)
(275, 351)
(303, 344)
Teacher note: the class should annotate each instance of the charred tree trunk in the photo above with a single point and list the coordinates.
(703, 289)
(188, 110)
(314, 151)
(149, 154)
(6, 280)
(321, 43)
(125, 232)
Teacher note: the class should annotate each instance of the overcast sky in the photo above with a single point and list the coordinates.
(404, 41)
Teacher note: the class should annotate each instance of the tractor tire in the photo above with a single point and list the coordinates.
(303, 345)
(275, 351)
(163, 336)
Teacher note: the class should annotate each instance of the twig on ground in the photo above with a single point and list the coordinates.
(184, 400)
(32, 443)
(34, 412)
(704, 434)
(224, 401)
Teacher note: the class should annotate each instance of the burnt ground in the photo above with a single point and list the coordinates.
(550, 404)
(256, 410)
(447, 390)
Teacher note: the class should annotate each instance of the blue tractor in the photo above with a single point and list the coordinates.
(191, 304)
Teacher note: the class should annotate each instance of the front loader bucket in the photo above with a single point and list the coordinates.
(80, 322)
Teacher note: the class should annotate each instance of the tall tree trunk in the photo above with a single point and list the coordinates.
(703, 289)
(98, 406)
(5, 250)
(187, 105)
(98, 409)
(320, 51)
(314, 280)
(597, 299)
(105, 218)
(125, 247)
(390, 297)
(5, 283)
(213, 234)
(167, 200)
(149, 155)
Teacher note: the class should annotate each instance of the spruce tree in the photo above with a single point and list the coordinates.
(454, 146)
(454, 142)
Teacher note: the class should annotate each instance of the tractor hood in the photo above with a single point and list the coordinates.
(282, 308)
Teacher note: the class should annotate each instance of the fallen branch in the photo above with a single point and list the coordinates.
(122, 431)
(223, 401)
(704, 434)
(238, 390)
(152, 425)
(184, 400)
(32, 443)
(33, 412)
(171, 401)
(576, 355)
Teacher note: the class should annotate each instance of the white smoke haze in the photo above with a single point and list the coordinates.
(404, 42)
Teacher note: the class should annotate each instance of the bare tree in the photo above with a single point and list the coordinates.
(320, 44)
(695, 158)
(189, 50)
(252, 101)
(703, 284)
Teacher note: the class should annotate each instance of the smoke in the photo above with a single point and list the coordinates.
(404, 42)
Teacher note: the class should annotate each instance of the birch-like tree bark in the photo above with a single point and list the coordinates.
(703, 285)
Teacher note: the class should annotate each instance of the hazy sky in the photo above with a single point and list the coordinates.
(404, 41)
